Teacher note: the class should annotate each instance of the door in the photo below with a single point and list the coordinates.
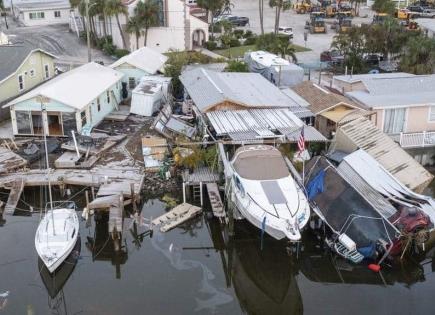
(54, 124)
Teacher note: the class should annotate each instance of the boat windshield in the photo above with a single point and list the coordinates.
(264, 164)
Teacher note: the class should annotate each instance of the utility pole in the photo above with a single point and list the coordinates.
(88, 25)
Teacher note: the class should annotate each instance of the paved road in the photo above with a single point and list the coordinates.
(316, 42)
(55, 39)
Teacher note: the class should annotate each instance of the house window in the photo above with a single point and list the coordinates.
(432, 113)
(21, 82)
(83, 118)
(98, 105)
(24, 124)
(394, 120)
(37, 15)
(46, 72)
(108, 96)
(131, 83)
(57, 14)
(32, 73)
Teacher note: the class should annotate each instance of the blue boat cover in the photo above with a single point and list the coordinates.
(316, 185)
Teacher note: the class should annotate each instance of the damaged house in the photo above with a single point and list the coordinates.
(76, 100)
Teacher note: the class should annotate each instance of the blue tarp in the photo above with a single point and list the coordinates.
(367, 251)
(316, 185)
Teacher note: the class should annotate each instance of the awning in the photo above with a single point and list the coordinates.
(338, 113)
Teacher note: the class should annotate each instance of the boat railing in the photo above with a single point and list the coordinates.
(60, 204)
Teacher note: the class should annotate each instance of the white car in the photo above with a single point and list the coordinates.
(221, 17)
(284, 30)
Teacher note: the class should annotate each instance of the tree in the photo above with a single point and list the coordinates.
(147, 13)
(384, 6)
(352, 45)
(227, 36)
(419, 56)
(279, 5)
(261, 11)
(115, 8)
(284, 48)
(134, 26)
(212, 6)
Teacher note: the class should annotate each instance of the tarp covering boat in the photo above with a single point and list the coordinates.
(343, 209)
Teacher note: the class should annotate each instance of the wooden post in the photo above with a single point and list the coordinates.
(93, 192)
(184, 192)
(133, 197)
(87, 198)
(200, 194)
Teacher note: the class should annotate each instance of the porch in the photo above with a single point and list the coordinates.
(415, 139)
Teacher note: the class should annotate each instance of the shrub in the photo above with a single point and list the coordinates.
(234, 42)
(238, 33)
(237, 66)
(211, 45)
(248, 34)
(121, 52)
(217, 28)
(109, 49)
(250, 40)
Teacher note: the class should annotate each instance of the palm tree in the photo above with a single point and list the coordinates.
(134, 26)
(147, 13)
(115, 7)
(284, 48)
(419, 56)
(279, 5)
(261, 11)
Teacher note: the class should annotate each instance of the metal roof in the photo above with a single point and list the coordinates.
(364, 135)
(208, 88)
(144, 58)
(257, 124)
(40, 5)
(416, 90)
(369, 76)
(76, 88)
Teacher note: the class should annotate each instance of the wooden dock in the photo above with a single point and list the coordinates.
(109, 142)
(196, 180)
(176, 216)
(16, 190)
(214, 196)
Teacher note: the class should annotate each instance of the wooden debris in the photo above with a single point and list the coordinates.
(176, 216)
(94, 150)
(14, 196)
(154, 150)
(104, 202)
(215, 200)
(10, 161)
(67, 160)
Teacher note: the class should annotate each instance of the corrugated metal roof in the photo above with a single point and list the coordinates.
(369, 76)
(40, 5)
(208, 88)
(144, 58)
(260, 124)
(364, 134)
(301, 112)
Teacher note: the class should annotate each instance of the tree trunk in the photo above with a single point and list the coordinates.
(146, 36)
(212, 24)
(137, 40)
(278, 18)
(124, 44)
(93, 28)
(104, 28)
(261, 10)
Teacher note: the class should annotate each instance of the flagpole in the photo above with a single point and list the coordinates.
(303, 172)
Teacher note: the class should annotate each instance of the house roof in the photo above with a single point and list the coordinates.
(319, 98)
(13, 56)
(144, 58)
(369, 76)
(402, 91)
(40, 5)
(76, 88)
(208, 88)
(364, 135)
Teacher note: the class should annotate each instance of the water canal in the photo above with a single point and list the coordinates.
(192, 270)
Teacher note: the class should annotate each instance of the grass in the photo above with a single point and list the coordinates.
(238, 52)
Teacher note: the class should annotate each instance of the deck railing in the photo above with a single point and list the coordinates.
(415, 139)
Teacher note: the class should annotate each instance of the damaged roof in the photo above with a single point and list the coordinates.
(144, 58)
(209, 88)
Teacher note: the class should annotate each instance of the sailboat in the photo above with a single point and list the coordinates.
(58, 230)
(265, 193)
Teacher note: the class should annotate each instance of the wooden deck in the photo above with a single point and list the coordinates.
(176, 216)
(200, 175)
(217, 205)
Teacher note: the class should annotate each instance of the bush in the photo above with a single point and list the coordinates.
(248, 34)
(121, 52)
(234, 42)
(237, 66)
(217, 28)
(211, 45)
(109, 49)
(250, 40)
(238, 33)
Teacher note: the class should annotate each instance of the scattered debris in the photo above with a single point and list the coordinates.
(176, 216)
(154, 150)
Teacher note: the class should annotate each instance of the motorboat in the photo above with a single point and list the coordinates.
(57, 235)
(265, 193)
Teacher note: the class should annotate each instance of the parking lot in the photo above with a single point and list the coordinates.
(316, 42)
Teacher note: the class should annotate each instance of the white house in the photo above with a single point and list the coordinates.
(35, 13)
(142, 62)
(75, 100)
(178, 30)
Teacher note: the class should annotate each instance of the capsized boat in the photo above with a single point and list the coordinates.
(56, 236)
(265, 193)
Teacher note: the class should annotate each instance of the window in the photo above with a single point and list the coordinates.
(37, 15)
(131, 83)
(83, 118)
(46, 72)
(98, 105)
(432, 113)
(394, 120)
(21, 82)
(57, 14)
(32, 73)
(24, 124)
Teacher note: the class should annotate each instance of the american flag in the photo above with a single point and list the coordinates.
(301, 141)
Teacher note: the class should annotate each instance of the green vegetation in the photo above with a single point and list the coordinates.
(199, 157)
(235, 52)
(237, 66)
(384, 6)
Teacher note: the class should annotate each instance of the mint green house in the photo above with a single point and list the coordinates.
(75, 100)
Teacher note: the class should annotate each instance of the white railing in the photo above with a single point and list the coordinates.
(415, 139)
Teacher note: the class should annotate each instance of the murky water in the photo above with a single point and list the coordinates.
(193, 270)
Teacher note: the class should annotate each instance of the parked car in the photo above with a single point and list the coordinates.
(421, 11)
(221, 17)
(331, 56)
(284, 30)
(238, 20)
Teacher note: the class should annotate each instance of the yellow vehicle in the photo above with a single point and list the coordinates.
(379, 18)
(317, 23)
(303, 7)
(403, 14)
(344, 25)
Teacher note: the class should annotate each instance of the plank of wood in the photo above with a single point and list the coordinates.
(215, 200)
(67, 160)
(14, 196)
(176, 216)
(104, 202)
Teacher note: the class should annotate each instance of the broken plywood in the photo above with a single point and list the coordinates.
(68, 159)
(176, 216)
(154, 150)
(10, 161)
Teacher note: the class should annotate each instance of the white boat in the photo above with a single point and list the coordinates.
(56, 236)
(266, 194)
